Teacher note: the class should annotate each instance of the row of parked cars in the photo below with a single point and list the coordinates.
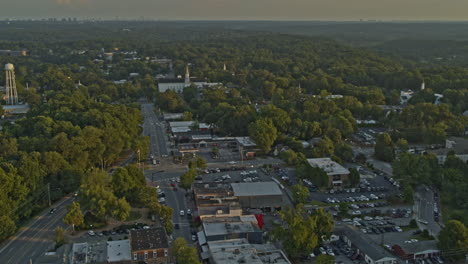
(361, 198)
(218, 170)
(367, 205)
(361, 189)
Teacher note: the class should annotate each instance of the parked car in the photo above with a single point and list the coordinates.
(182, 213)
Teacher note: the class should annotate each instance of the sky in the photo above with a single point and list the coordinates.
(238, 9)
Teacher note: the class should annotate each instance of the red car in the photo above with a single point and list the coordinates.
(173, 185)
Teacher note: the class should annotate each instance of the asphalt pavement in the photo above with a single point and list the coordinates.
(424, 204)
(154, 128)
(36, 238)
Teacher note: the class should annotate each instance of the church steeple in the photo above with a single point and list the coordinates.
(187, 75)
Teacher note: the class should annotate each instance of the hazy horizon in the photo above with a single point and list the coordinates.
(292, 10)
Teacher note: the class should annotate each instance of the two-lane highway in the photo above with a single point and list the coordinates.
(36, 238)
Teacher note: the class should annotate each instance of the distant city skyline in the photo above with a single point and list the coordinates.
(337, 10)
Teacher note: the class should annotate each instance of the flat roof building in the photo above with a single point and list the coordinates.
(215, 199)
(337, 174)
(118, 252)
(237, 251)
(261, 195)
(224, 228)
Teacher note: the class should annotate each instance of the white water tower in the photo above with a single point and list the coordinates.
(11, 97)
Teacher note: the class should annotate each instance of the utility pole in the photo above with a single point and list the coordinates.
(48, 192)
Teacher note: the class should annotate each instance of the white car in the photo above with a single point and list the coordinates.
(189, 212)
(162, 200)
(194, 238)
(330, 252)
(91, 233)
(182, 212)
(322, 251)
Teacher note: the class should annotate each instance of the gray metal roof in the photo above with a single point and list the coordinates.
(374, 251)
(256, 189)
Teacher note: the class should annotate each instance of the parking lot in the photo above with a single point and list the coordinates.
(234, 174)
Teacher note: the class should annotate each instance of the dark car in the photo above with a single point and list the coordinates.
(176, 226)
(52, 210)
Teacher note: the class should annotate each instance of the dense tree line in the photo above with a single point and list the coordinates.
(451, 178)
(56, 143)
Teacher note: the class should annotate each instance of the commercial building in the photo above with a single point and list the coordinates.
(89, 252)
(370, 252)
(237, 251)
(337, 174)
(260, 195)
(419, 250)
(215, 199)
(149, 246)
(225, 228)
(457, 145)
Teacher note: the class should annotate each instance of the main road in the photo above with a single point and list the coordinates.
(36, 238)
(161, 174)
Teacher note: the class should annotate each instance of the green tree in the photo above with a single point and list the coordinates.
(264, 133)
(343, 209)
(184, 253)
(141, 147)
(300, 232)
(98, 198)
(344, 152)
(408, 193)
(454, 238)
(314, 174)
(402, 144)
(300, 193)
(59, 237)
(354, 177)
(74, 217)
(278, 116)
(187, 116)
(201, 163)
(187, 179)
(324, 259)
(384, 148)
(325, 147)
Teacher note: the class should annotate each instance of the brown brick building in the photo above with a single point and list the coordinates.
(149, 246)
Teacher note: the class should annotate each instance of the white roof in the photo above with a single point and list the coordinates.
(246, 141)
(328, 165)
(256, 188)
(118, 250)
(180, 129)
